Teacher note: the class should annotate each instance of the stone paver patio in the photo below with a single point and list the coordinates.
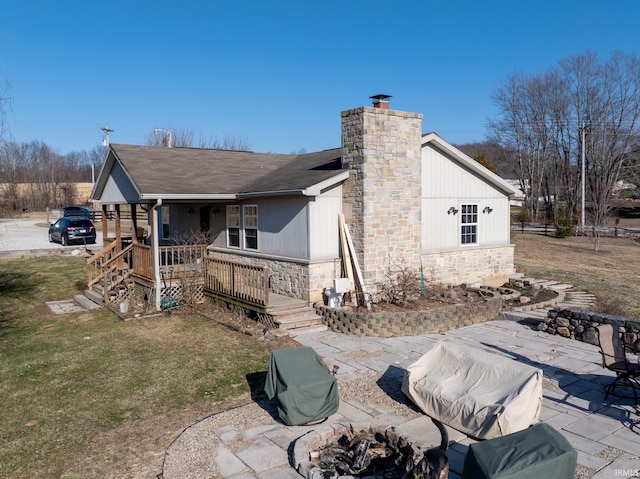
(606, 434)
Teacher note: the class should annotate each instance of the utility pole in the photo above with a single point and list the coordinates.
(106, 130)
(583, 129)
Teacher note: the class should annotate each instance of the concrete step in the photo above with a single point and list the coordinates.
(307, 330)
(94, 296)
(86, 302)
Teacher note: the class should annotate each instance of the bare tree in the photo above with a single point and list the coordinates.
(185, 138)
(527, 129)
(35, 177)
(5, 96)
(606, 100)
(540, 121)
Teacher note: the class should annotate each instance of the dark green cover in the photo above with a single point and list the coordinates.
(304, 389)
(538, 452)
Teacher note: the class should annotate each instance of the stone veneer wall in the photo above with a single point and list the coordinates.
(490, 266)
(382, 149)
(410, 323)
(581, 324)
(297, 279)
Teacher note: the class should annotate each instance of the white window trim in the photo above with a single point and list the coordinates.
(165, 220)
(244, 228)
(239, 226)
(476, 224)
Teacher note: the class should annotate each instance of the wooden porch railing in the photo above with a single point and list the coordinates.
(181, 257)
(244, 282)
(96, 263)
(113, 267)
(116, 270)
(143, 261)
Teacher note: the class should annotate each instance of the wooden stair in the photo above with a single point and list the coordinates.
(294, 315)
(121, 284)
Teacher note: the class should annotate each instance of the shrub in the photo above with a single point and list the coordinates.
(401, 283)
(564, 224)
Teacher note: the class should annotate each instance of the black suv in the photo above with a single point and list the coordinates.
(72, 230)
(79, 211)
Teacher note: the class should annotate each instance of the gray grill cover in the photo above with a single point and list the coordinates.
(482, 394)
(304, 389)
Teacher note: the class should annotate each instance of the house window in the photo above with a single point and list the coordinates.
(165, 212)
(233, 226)
(250, 213)
(469, 223)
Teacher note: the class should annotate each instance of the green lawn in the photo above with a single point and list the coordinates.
(73, 384)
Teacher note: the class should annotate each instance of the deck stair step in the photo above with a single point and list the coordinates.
(300, 319)
(286, 314)
(292, 314)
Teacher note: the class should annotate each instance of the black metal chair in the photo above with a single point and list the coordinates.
(614, 358)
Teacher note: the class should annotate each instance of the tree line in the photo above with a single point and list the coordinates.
(578, 118)
(34, 177)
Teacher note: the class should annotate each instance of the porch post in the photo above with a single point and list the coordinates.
(118, 230)
(134, 224)
(153, 230)
(105, 228)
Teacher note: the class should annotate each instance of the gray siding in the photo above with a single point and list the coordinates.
(118, 189)
(282, 226)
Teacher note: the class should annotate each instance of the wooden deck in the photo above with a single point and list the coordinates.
(275, 303)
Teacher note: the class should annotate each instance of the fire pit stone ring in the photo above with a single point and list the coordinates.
(308, 449)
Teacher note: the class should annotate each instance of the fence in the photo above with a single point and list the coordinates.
(548, 229)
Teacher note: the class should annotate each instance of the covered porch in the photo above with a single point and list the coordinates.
(138, 264)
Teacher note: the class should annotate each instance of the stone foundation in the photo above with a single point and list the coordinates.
(490, 266)
(411, 323)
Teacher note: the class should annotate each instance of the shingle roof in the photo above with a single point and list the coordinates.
(174, 171)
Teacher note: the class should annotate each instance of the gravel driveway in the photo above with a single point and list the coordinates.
(29, 235)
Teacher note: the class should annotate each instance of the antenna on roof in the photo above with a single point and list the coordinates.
(169, 136)
(107, 130)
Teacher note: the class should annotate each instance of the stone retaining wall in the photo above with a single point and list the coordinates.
(410, 323)
(581, 324)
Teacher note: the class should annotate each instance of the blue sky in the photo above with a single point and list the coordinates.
(279, 72)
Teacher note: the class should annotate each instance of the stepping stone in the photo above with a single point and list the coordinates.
(65, 307)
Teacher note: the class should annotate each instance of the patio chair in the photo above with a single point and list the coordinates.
(614, 358)
(304, 390)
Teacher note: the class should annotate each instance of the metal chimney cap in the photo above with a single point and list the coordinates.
(380, 97)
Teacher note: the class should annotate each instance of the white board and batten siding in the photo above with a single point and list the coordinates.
(448, 183)
(323, 224)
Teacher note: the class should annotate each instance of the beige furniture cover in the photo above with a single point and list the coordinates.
(482, 394)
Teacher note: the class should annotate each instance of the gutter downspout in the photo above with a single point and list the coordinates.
(156, 251)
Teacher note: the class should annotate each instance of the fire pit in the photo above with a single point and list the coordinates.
(342, 450)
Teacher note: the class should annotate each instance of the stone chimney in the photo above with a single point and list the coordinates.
(382, 148)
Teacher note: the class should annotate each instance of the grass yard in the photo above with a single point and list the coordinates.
(87, 395)
(611, 273)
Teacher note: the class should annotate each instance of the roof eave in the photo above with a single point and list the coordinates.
(313, 190)
(195, 197)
